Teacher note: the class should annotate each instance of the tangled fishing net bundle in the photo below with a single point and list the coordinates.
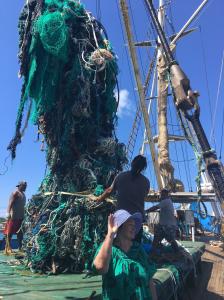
(69, 75)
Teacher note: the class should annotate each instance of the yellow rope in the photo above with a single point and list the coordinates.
(83, 194)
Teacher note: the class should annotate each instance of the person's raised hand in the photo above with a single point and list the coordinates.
(95, 198)
(8, 216)
(112, 227)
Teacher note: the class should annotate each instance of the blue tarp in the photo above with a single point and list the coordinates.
(209, 223)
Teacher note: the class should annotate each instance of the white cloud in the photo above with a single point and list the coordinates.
(125, 107)
(3, 212)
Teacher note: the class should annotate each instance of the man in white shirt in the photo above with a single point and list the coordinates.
(167, 222)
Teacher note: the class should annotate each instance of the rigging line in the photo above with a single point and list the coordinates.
(187, 169)
(220, 153)
(148, 48)
(175, 146)
(217, 97)
(171, 19)
(182, 161)
(153, 112)
(126, 51)
(128, 60)
(186, 153)
(150, 71)
(189, 136)
(135, 35)
(152, 29)
(206, 72)
(188, 160)
(151, 167)
(150, 172)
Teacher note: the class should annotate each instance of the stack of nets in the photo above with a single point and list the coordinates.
(69, 75)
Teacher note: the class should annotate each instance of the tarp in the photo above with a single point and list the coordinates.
(18, 283)
(209, 223)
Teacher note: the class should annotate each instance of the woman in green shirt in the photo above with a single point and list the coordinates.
(124, 265)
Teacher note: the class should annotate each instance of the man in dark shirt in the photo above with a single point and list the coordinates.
(132, 188)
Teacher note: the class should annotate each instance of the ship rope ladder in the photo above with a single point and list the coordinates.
(138, 116)
(133, 135)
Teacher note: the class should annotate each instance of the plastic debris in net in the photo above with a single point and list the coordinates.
(69, 74)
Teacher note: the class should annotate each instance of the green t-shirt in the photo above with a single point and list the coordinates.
(128, 275)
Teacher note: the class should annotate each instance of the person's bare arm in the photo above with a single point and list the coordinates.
(11, 202)
(152, 288)
(102, 260)
(153, 208)
(105, 194)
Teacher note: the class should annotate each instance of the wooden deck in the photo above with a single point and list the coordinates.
(210, 283)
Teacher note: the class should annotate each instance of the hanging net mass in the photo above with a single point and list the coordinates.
(69, 75)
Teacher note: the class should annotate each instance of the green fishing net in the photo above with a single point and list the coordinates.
(69, 73)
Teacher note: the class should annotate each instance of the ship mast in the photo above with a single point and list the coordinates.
(141, 93)
(165, 166)
(161, 161)
(187, 105)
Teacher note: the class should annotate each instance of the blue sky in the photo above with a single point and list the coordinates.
(30, 161)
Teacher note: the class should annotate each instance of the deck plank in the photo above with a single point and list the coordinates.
(210, 282)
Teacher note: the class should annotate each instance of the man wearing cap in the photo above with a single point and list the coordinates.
(167, 222)
(15, 215)
(124, 265)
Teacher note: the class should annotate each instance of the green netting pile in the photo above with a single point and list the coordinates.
(69, 75)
